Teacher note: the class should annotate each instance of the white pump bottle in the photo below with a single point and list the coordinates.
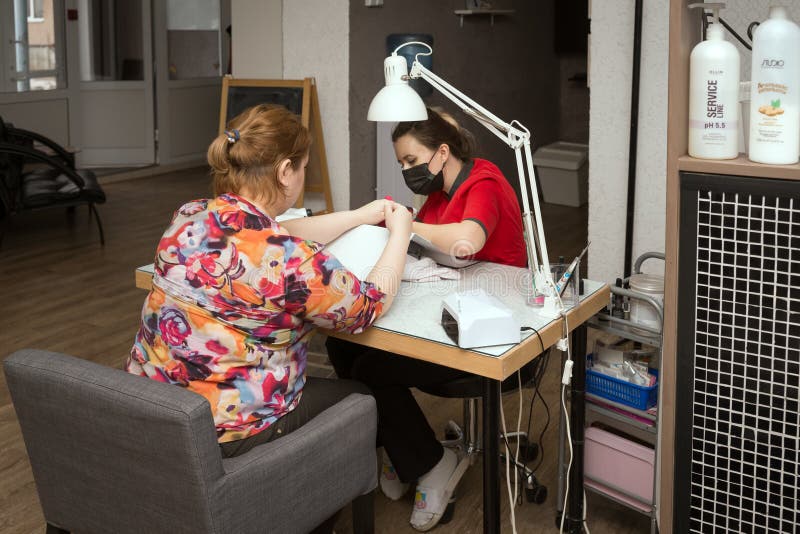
(775, 91)
(714, 94)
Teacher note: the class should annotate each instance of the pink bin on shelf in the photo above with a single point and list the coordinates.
(619, 467)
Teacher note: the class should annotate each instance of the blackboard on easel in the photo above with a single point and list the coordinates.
(298, 96)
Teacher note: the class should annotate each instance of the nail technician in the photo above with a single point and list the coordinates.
(471, 211)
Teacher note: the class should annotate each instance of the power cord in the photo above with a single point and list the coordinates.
(585, 526)
(541, 366)
(512, 496)
(527, 328)
(566, 379)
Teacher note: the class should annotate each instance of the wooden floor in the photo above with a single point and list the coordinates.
(62, 291)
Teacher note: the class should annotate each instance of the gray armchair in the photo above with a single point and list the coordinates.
(113, 452)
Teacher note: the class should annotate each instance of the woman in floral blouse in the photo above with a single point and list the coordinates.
(236, 296)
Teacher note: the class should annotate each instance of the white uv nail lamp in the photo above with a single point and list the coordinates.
(476, 319)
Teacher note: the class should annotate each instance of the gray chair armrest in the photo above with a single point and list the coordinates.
(83, 422)
(335, 450)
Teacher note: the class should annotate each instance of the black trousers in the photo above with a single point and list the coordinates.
(403, 430)
(319, 394)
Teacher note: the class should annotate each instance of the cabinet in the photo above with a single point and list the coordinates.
(737, 371)
(727, 381)
(617, 467)
(629, 476)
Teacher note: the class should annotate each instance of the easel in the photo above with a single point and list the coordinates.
(299, 96)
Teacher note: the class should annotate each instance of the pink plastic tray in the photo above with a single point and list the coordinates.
(619, 464)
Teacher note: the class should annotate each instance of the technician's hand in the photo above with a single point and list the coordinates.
(398, 218)
(374, 212)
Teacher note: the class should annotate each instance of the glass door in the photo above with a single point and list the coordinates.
(192, 52)
(32, 57)
(116, 83)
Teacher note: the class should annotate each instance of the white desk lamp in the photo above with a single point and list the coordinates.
(397, 101)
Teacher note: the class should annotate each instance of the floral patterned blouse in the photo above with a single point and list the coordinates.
(234, 303)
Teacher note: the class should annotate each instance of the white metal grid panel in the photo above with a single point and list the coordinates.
(745, 427)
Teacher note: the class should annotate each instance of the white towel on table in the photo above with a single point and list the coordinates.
(425, 269)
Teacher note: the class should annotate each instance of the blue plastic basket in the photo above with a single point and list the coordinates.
(633, 395)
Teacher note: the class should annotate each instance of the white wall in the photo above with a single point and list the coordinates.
(296, 39)
(257, 37)
(315, 44)
(47, 116)
(740, 13)
(610, 72)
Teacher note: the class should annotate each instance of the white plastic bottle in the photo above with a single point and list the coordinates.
(775, 91)
(714, 95)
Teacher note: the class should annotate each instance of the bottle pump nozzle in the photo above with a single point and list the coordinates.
(714, 30)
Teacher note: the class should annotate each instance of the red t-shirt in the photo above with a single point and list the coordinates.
(482, 194)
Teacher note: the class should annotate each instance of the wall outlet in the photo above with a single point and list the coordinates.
(373, 3)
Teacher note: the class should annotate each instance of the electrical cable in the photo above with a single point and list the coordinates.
(526, 328)
(512, 496)
(569, 465)
(569, 439)
(727, 26)
(508, 478)
(541, 362)
(541, 366)
(566, 420)
(544, 429)
(736, 35)
(585, 526)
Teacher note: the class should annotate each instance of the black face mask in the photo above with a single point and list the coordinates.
(421, 180)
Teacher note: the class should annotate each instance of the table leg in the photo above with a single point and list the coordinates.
(491, 455)
(574, 519)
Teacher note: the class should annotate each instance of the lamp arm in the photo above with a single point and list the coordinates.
(531, 239)
(536, 208)
(505, 131)
(518, 138)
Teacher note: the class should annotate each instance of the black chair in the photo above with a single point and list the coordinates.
(53, 182)
(468, 436)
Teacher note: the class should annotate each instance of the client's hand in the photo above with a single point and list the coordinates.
(398, 218)
(374, 212)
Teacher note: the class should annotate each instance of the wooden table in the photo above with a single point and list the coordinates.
(412, 328)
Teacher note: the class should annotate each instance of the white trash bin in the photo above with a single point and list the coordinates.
(563, 171)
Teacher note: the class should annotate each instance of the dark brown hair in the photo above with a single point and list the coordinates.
(439, 128)
(248, 153)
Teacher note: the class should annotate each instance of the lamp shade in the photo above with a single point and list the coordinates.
(396, 101)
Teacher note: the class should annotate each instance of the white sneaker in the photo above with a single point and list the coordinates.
(434, 490)
(391, 485)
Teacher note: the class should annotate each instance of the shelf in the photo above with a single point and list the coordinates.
(598, 414)
(609, 405)
(597, 400)
(484, 12)
(740, 166)
(622, 330)
(619, 497)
